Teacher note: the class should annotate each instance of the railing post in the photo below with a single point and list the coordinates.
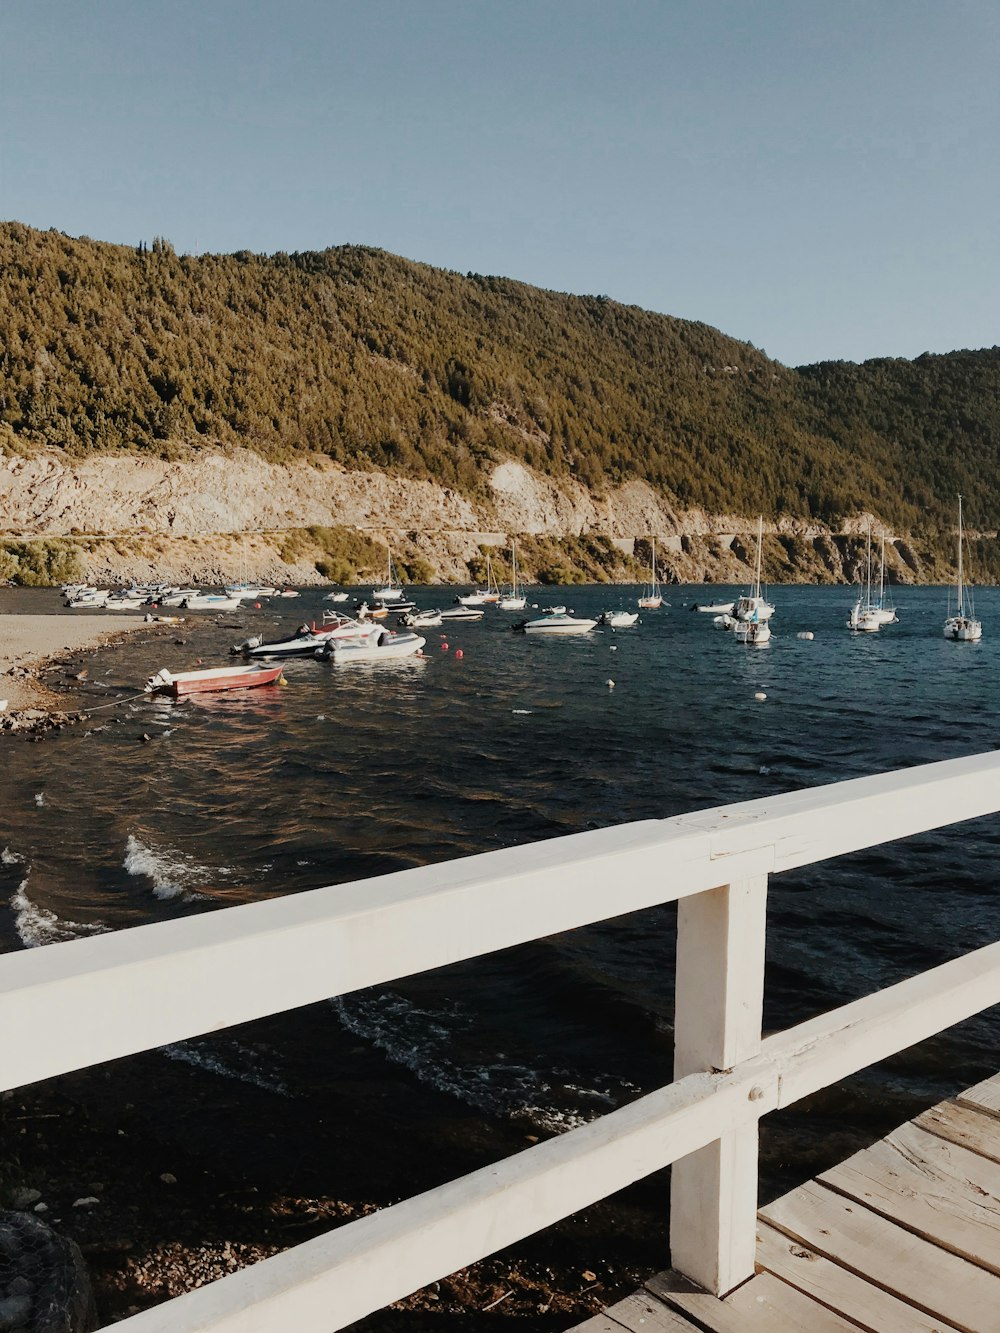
(717, 1023)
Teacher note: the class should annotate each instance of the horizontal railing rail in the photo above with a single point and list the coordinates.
(61, 1009)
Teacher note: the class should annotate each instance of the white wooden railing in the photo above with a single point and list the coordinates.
(72, 1005)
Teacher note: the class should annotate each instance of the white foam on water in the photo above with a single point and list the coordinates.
(9, 858)
(173, 874)
(39, 798)
(36, 925)
(240, 1069)
(421, 1041)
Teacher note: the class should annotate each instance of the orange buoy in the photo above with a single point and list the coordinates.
(459, 653)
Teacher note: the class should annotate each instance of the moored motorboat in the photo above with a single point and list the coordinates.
(337, 597)
(463, 613)
(208, 602)
(381, 647)
(556, 625)
(618, 619)
(752, 631)
(715, 608)
(212, 679)
(420, 619)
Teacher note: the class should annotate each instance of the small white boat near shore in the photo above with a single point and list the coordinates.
(619, 619)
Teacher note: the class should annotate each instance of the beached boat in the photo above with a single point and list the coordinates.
(752, 606)
(556, 625)
(382, 647)
(212, 679)
(618, 619)
(652, 598)
(962, 627)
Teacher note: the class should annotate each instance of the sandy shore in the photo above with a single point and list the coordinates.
(25, 641)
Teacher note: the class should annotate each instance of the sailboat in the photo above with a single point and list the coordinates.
(886, 614)
(963, 627)
(483, 596)
(752, 607)
(392, 592)
(515, 600)
(652, 598)
(864, 617)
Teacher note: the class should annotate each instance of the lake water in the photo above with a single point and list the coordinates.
(353, 772)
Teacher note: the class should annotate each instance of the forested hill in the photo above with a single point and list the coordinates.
(380, 362)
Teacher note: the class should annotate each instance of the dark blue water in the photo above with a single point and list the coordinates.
(351, 772)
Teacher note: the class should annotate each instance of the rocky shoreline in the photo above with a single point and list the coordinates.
(219, 515)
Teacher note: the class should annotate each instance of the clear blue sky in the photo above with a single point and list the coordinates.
(819, 178)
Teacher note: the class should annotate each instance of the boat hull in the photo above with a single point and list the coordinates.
(211, 681)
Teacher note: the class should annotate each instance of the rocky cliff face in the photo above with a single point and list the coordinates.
(219, 513)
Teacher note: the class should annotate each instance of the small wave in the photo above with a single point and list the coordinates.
(9, 858)
(173, 874)
(422, 1041)
(37, 925)
(212, 1061)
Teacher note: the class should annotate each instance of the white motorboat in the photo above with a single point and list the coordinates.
(752, 631)
(207, 601)
(337, 597)
(556, 625)
(618, 619)
(652, 598)
(307, 638)
(963, 627)
(752, 606)
(715, 608)
(463, 613)
(553, 610)
(380, 648)
(420, 619)
(249, 591)
(725, 621)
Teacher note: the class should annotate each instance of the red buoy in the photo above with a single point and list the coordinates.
(444, 647)
(256, 606)
(459, 653)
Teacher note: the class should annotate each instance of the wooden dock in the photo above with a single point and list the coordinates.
(903, 1237)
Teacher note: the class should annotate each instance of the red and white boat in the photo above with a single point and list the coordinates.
(211, 679)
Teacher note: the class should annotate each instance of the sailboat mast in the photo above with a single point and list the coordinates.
(760, 542)
(961, 608)
(881, 576)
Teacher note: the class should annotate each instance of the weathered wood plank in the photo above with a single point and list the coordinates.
(868, 1306)
(762, 1305)
(643, 1313)
(943, 1192)
(962, 1125)
(933, 1279)
(984, 1096)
